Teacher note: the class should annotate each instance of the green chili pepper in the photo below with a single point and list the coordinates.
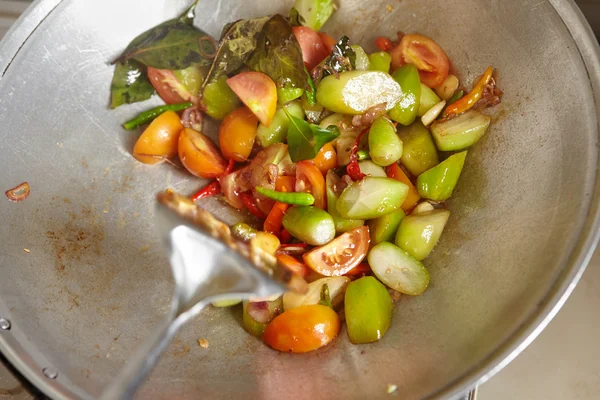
(368, 309)
(456, 96)
(380, 61)
(147, 116)
(438, 183)
(363, 155)
(299, 199)
(405, 112)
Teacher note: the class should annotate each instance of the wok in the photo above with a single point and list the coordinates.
(95, 282)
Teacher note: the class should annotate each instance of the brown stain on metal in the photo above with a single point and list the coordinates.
(124, 185)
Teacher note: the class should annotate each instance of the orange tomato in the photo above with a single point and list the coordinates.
(310, 179)
(313, 49)
(159, 141)
(395, 172)
(426, 55)
(285, 183)
(199, 155)
(293, 264)
(258, 92)
(328, 41)
(384, 44)
(303, 329)
(237, 134)
(326, 159)
(341, 255)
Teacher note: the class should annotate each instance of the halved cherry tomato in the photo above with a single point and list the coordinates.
(285, 183)
(395, 172)
(328, 41)
(341, 255)
(293, 264)
(426, 55)
(159, 141)
(168, 87)
(237, 134)
(384, 44)
(250, 203)
(326, 159)
(309, 179)
(258, 92)
(303, 329)
(199, 155)
(313, 49)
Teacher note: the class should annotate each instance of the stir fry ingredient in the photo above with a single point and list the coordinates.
(344, 159)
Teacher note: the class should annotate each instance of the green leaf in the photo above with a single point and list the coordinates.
(341, 59)
(174, 44)
(130, 84)
(278, 55)
(305, 140)
(295, 17)
(325, 297)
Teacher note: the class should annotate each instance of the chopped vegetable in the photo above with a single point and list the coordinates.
(418, 234)
(398, 270)
(199, 155)
(309, 179)
(305, 140)
(426, 55)
(303, 329)
(368, 310)
(274, 220)
(277, 131)
(461, 132)
(258, 314)
(469, 100)
(336, 286)
(293, 265)
(395, 172)
(258, 92)
(313, 49)
(326, 158)
(380, 61)
(314, 13)
(384, 228)
(428, 100)
(169, 88)
(266, 242)
(18, 193)
(405, 112)
(287, 94)
(209, 190)
(341, 224)
(447, 89)
(362, 155)
(243, 231)
(419, 152)
(237, 134)
(158, 142)
(226, 303)
(362, 59)
(385, 147)
(356, 91)
(301, 199)
(328, 41)
(341, 255)
(438, 183)
(309, 224)
(384, 44)
(148, 116)
(369, 168)
(423, 207)
(218, 99)
(431, 115)
(371, 198)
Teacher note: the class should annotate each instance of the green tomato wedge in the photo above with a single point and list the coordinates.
(285, 95)
(362, 59)
(380, 61)
(226, 303)
(315, 12)
(355, 92)
(460, 132)
(419, 152)
(341, 224)
(310, 224)
(385, 147)
(439, 182)
(405, 112)
(191, 78)
(419, 233)
(383, 229)
(398, 269)
(428, 99)
(369, 168)
(336, 285)
(277, 131)
(368, 310)
(219, 99)
(371, 197)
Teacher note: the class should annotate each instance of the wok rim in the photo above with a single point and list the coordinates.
(505, 352)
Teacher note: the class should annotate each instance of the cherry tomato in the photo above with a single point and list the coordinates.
(258, 92)
(237, 134)
(426, 55)
(303, 329)
(200, 155)
(309, 179)
(341, 255)
(293, 264)
(313, 49)
(326, 159)
(159, 141)
(168, 87)
(328, 41)
(384, 44)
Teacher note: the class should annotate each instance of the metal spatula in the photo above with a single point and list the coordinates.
(208, 265)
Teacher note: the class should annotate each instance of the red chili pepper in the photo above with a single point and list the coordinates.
(248, 201)
(384, 44)
(229, 168)
(209, 190)
(285, 237)
(353, 169)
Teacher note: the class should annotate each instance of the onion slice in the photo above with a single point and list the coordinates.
(18, 193)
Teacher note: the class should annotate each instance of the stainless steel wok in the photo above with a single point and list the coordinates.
(525, 215)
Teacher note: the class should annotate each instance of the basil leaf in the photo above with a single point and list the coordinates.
(305, 140)
(130, 84)
(279, 56)
(341, 59)
(174, 44)
(325, 297)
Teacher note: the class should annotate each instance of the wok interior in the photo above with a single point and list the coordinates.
(97, 280)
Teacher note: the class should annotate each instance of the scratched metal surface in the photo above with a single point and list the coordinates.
(95, 280)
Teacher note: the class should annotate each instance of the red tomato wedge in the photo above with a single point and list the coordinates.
(313, 49)
(309, 179)
(341, 255)
(168, 87)
(328, 41)
(384, 44)
(303, 329)
(258, 92)
(426, 55)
